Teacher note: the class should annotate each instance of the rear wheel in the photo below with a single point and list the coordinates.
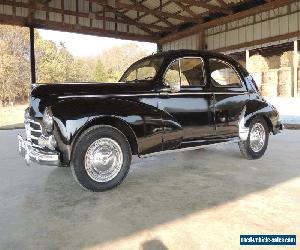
(257, 142)
(101, 158)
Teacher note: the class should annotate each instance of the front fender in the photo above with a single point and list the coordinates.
(73, 115)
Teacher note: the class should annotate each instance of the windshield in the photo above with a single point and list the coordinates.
(143, 70)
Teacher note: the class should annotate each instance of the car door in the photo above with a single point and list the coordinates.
(185, 102)
(230, 96)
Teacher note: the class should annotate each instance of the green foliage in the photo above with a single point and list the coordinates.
(99, 73)
(14, 64)
(54, 63)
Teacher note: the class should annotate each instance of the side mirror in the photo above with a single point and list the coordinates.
(174, 87)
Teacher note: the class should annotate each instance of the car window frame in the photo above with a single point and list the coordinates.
(242, 83)
(142, 61)
(189, 86)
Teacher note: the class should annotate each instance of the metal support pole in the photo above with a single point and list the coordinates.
(295, 69)
(32, 55)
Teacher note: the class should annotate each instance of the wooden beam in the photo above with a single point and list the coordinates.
(150, 11)
(31, 9)
(131, 21)
(210, 7)
(161, 18)
(222, 2)
(159, 8)
(50, 25)
(259, 42)
(224, 20)
(187, 9)
(79, 14)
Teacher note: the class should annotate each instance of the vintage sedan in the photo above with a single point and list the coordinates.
(176, 100)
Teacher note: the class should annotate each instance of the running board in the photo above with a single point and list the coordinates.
(188, 148)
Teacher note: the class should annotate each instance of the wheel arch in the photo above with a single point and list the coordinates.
(115, 122)
(264, 117)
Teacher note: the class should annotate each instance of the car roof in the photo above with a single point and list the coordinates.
(183, 52)
(172, 54)
(187, 52)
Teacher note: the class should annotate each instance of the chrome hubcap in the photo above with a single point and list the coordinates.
(257, 137)
(103, 160)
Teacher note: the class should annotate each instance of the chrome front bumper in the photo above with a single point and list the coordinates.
(32, 154)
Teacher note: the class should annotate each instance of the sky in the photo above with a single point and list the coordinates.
(85, 45)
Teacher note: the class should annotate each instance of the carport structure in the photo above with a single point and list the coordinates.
(228, 26)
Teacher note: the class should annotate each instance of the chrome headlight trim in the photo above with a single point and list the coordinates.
(48, 120)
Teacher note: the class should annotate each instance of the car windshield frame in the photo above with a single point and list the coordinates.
(159, 58)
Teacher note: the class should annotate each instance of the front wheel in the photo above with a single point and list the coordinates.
(101, 158)
(257, 142)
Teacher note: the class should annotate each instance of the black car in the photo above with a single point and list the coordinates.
(176, 100)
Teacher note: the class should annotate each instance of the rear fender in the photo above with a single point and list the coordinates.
(257, 108)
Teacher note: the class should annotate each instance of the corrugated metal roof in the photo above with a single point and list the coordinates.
(134, 19)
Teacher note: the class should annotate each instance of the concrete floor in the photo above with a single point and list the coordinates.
(200, 199)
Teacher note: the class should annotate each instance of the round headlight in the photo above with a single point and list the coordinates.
(48, 120)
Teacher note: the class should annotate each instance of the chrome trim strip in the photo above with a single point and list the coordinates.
(187, 149)
(34, 137)
(204, 93)
(109, 95)
(155, 94)
(34, 130)
(33, 121)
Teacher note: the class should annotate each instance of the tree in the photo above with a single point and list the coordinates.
(14, 67)
(123, 57)
(54, 63)
(99, 73)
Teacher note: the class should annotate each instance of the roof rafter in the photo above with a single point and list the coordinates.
(94, 15)
(200, 27)
(142, 8)
(161, 18)
(159, 8)
(43, 24)
(186, 8)
(210, 7)
(129, 20)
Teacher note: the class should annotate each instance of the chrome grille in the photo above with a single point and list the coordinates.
(33, 131)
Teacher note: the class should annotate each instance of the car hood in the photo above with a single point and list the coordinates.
(69, 89)
(44, 95)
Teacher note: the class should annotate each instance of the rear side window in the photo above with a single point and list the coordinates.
(222, 74)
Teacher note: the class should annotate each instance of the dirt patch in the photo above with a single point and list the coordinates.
(12, 116)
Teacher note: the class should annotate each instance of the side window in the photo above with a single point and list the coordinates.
(186, 72)
(173, 74)
(223, 75)
(192, 72)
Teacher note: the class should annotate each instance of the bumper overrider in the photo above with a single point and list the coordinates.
(278, 128)
(37, 147)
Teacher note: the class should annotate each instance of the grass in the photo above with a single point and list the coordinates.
(12, 117)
